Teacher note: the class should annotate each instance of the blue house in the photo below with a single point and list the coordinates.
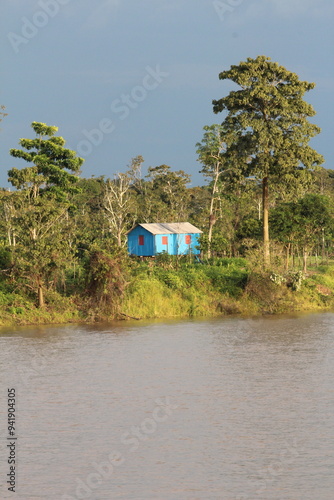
(178, 238)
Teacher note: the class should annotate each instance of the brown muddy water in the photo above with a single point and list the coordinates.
(229, 409)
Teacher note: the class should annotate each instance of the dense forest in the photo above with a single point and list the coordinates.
(63, 237)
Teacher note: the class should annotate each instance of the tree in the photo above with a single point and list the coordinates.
(210, 154)
(316, 223)
(323, 181)
(39, 209)
(118, 200)
(169, 189)
(306, 222)
(50, 160)
(268, 121)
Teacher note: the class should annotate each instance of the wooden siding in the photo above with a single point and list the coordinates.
(150, 239)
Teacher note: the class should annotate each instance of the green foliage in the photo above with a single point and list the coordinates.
(228, 281)
(50, 161)
(267, 118)
(165, 260)
(295, 280)
(265, 292)
(106, 280)
(218, 244)
(62, 238)
(5, 258)
(37, 215)
(232, 263)
(169, 277)
(266, 128)
(249, 228)
(168, 193)
(304, 221)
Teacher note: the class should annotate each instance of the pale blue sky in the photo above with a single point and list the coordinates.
(145, 72)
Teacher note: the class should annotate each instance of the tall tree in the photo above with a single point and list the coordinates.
(210, 155)
(269, 121)
(40, 205)
(50, 160)
(118, 200)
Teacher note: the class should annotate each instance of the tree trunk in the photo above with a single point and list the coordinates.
(212, 218)
(304, 260)
(119, 239)
(323, 245)
(287, 257)
(212, 221)
(265, 205)
(40, 296)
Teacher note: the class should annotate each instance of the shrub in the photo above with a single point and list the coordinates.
(266, 293)
(169, 277)
(295, 280)
(106, 280)
(5, 257)
(231, 281)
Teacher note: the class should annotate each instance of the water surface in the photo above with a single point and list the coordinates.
(221, 409)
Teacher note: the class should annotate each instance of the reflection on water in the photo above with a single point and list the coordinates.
(221, 409)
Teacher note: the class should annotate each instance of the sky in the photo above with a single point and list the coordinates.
(122, 78)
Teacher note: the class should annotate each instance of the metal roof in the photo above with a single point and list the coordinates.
(171, 228)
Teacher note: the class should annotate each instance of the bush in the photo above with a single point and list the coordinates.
(5, 257)
(169, 277)
(230, 281)
(106, 280)
(295, 280)
(229, 262)
(265, 292)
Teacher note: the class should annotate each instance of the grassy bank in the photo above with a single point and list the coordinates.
(179, 289)
(228, 286)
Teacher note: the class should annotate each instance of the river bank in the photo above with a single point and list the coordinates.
(227, 287)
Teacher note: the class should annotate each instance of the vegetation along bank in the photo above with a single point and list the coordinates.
(265, 209)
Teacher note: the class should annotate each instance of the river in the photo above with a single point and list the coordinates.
(228, 409)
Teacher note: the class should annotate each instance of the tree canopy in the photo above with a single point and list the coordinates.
(37, 213)
(267, 125)
(53, 166)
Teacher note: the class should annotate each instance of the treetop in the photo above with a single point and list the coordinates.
(263, 80)
(42, 129)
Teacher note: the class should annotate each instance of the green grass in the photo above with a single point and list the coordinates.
(180, 289)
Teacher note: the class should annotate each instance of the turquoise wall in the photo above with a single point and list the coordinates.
(176, 243)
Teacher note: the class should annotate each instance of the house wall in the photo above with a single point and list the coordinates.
(183, 248)
(176, 243)
(134, 248)
(160, 247)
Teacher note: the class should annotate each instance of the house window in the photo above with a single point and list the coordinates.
(164, 240)
(188, 239)
(140, 239)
